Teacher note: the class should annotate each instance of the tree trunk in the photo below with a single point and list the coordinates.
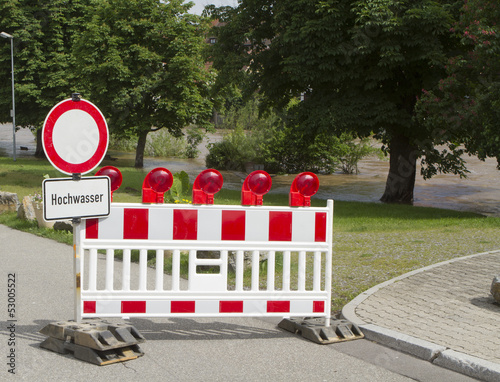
(139, 151)
(402, 168)
(39, 153)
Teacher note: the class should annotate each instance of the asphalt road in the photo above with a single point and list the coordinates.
(175, 349)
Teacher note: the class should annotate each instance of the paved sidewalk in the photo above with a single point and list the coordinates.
(443, 313)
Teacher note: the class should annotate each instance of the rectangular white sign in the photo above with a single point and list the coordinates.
(65, 198)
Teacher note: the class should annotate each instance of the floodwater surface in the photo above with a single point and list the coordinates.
(479, 192)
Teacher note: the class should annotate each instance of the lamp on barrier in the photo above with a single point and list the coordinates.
(206, 185)
(256, 184)
(114, 175)
(304, 186)
(157, 182)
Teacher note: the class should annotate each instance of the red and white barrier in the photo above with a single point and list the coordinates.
(276, 234)
(210, 224)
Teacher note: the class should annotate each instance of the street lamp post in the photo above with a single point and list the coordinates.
(6, 35)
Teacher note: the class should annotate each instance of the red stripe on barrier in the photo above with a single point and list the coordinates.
(92, 229)
(233, 225)
(318, 307)
(230, 306)
(182, 307)
(135, 223)
(280, 226)
(133, 306)
(278, 307)
(89, 306)
(185, 225)
(320, 231)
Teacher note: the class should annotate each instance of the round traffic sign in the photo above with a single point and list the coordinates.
(75, 136)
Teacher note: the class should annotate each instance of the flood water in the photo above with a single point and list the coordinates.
(479, 192)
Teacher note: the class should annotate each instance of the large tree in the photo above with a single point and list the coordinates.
(360, 66)
(43, 64)
(141, 62)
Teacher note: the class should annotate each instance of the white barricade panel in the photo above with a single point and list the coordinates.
(238, 261)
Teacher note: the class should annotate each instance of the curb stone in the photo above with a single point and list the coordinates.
(469, 365)
(436, 354)
(411, 345)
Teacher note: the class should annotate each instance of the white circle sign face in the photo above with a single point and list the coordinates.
(75, 136)
(75, 126)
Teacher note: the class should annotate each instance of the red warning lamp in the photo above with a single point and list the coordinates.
(206, 185)
(256, 184)
(114, 175)
(157, 182)
(303, 187)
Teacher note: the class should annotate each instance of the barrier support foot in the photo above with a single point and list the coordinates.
(94, 341)
(314, 329)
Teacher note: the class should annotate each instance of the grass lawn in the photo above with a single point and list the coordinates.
(371, 244)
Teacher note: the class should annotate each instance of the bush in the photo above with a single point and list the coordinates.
(286, 150)
(280, 150)
(245, 117)
(235, 149)
(163, 144)
(122, 144)
(351, 152)
(267, 140)
(159, 144)
(194, 137)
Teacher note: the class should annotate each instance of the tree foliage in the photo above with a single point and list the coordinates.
(43, 63)
(465, 106)
(141, 61)
(359, 64)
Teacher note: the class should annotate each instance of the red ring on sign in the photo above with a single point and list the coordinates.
(48, 142)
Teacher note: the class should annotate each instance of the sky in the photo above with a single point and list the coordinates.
(200, 4)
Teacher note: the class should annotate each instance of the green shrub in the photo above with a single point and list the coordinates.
(159, 144)
(281, 148)
(122, 144)
(163, 144)
(350, 152)
(285, 150)
(235, 149)
(194, 137)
